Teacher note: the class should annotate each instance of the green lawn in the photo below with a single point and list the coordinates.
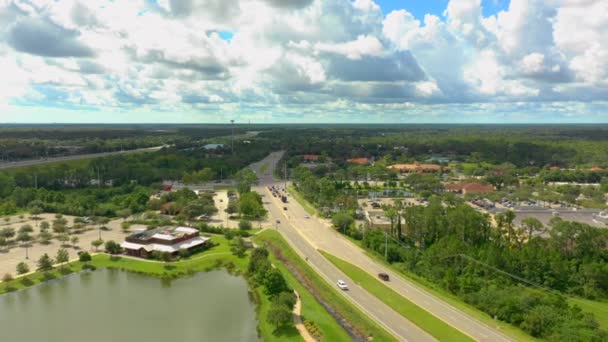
(213, 258)
(264, 167)
(597, 308)
(310, 209)
(312, 310)
(423, 319)
(268, 331)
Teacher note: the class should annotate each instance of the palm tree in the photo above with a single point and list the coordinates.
(25, 238)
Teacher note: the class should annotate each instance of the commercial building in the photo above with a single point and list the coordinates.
(419, 168)
(469, 188)
(167, 239)
(360, 161)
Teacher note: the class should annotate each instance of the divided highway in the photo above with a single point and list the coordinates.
(393, 322)
(307, 235)
(10, 165)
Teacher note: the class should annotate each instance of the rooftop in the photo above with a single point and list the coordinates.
(165, 233)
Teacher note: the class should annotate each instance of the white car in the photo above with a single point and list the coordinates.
(342, 285)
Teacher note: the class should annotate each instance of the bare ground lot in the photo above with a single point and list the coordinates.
(11, 257)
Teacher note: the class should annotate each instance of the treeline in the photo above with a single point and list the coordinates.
(497, 271)
(40, 141)
(452, 245)
(99, 186)
(522, 146)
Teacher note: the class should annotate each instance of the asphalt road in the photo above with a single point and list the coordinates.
(307, 235)
(10, 165)
(393, 322)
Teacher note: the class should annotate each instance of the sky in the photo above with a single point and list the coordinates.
(304, 61)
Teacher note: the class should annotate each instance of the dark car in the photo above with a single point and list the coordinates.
(383, 276)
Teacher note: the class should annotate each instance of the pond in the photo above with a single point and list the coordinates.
(112, 305)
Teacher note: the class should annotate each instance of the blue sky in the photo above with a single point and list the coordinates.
(419, 8)
(304, 61)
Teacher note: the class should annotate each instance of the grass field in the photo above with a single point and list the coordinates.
(310, 209)
(424, 320)
(597, 308)
(331, 330)
(264, 167)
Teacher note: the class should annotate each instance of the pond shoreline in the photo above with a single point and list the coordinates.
(217, 258)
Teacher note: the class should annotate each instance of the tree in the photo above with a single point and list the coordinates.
(124, 213)
(245, 225)
(113, 247)
(62, 256)
(84, 257)
(505, 222)
(97, 243)
(7, 185)
(7, 277)
(63, 238)
(35, 211)
(287, 299)
(26, 228)
(532, 225)
(7, 232)
(25, 238)
(274, 282)
(245, 178)
(342, 221)
(279, 316)
(45, 263)
(238, 247)
(44, 225)
(22, 268)
(45, 237)
(250, 205)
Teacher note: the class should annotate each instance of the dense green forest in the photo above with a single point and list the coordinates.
(43, 141)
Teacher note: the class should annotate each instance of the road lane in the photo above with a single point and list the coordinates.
(10, 165)
(319, 234)
(385, 316)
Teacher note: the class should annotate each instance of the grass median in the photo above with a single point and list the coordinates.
(423, 319)
(505, 328)
(311, 308)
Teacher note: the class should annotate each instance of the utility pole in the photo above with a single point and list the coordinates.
(232, 126)
(385, 246)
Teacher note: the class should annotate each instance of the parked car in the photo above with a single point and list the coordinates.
(342, 285)
(383, 276)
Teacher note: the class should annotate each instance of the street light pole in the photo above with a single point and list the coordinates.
(232, 134)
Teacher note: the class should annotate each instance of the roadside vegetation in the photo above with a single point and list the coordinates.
(423, 319)
(351, 318)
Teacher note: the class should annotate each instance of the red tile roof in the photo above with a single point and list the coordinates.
(311, 157)
(415, 167)
(358, 160)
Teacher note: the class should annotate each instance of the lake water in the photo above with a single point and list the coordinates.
(118, 306)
